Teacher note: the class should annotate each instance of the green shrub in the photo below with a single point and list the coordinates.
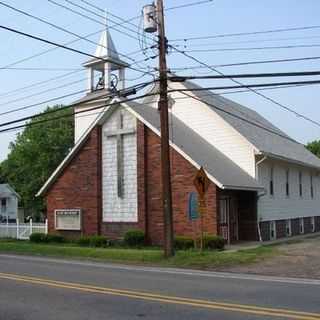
(46, 238)
(55, 238)
(183, 243)
(93, 241)
(134, 238)
(38, 237)
(212, 242)
(84, 241)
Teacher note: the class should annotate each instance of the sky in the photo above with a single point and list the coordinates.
(21, 88)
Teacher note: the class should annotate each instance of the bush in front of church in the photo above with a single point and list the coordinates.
(134, 238)
(212, 242)
(93, 241)
(183, 243)
(46, 238)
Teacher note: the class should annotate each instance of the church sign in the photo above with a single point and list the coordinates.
(68, 219)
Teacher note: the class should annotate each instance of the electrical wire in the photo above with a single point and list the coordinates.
(48, 23)
(247, 63)
(35, 84)
(254, 48)
(28, 35)
(142, 85)
(246, 33)
(254, 91)
(178, 78)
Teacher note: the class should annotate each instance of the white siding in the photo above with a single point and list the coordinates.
(280, 206)
(117, 209)
(83, 120)
(215, 130)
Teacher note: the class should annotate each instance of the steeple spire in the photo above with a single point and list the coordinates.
(106, 50)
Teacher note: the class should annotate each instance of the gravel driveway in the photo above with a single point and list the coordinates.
(300, 259)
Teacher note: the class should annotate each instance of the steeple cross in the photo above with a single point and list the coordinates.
(119, 133)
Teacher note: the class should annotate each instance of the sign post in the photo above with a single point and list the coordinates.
(201, 182)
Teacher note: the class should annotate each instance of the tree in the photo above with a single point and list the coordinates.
(35, 154)
(314, 147)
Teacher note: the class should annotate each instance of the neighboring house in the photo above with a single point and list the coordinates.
(8, 203)
(263, 183)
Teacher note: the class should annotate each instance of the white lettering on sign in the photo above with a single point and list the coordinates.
(68, 219)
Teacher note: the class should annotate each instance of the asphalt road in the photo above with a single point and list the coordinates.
(39, 288)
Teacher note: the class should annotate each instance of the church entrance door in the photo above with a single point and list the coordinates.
(229, 219)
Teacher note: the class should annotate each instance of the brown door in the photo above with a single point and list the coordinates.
(228, 219)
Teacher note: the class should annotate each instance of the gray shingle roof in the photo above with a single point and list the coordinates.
(272, 142)
(225, 171)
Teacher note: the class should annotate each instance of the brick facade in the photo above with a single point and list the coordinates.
(149, 186)
(79, 186)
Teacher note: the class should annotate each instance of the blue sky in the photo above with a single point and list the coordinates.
(217, 17)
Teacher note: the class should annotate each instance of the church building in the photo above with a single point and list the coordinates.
(263, 184)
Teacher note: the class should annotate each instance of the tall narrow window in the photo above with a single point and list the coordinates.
(300, 184)
(287, 183)
(3, 205)
(271, 181)
(311, 186)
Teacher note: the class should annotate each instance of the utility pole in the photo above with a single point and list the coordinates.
(165, 147)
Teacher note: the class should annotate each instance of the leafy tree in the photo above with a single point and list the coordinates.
(35, 154)
(314, 147)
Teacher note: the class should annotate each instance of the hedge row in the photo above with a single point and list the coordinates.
(133, 238)
(210, 242)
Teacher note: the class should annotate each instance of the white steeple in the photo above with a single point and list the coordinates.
(108, 73)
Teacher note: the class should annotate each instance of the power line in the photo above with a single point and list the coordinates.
(192, 4)
(43, 102)
(255, 48)
(176, 78)
(48, 23)
(254, 123)
(44, 91)
(137, 87)
(246, 33)
(257, 89)
(240, 118)
(41, 69)
(35, 84)
(28, 35)
(89, 18)
(251, 89)
(140, 86)
(186, 45)
(248, 63)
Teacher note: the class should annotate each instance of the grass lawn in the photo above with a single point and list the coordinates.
(151, 257)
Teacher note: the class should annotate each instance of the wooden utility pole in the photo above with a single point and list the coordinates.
(165, 147)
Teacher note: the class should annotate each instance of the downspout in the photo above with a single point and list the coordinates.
(259, 194)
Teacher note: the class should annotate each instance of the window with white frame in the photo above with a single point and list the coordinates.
(300, 184)
(271, 182)
(3, 205)
(273, 233)
(311, 186)
(288, 228)
(287, 183)
(301, 225)
(313, 224)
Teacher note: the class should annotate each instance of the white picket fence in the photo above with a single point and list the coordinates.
(22, 231)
